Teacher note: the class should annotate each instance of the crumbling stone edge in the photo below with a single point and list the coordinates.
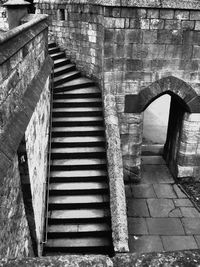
(115, 173)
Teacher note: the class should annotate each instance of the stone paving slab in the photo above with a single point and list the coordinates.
(138, 208)
(172, 243)
(160, 207)
(160, 216)
(183, 202)
(165, 226)
(164, 191)
(191, 226)
(137, 226)
(145, 243)
(152, 174)
(143, 191)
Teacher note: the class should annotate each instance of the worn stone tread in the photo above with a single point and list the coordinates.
(78, 199)
(79, 242)
(86, 227)
(69, 162)
(78, 186)
(79, 214)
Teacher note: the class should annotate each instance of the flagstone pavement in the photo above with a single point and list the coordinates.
(160, 216)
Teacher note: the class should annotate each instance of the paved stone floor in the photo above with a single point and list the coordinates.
(160, 216)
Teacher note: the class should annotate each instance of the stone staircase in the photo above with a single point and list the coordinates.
(78, 207)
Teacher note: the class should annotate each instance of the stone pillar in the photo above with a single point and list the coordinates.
(132, 148)
(16, 10)
(189, 152)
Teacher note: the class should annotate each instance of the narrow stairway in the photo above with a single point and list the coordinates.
(78, 208)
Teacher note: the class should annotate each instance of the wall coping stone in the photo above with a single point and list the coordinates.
(20, 36)
(173, 4)
(115, 174)
(174, 258)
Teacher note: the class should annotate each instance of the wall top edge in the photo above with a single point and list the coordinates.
(174, 4)
(5, 36)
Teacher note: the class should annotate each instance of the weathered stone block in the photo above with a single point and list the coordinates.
(195, 15)
(128, 12)
(134, 65)
(182, 14)
(188, 25)
(166, 14)
(197, 26)
(156, 24)
(150, 36)
(133, 36)
(153, 13)
(172, 24)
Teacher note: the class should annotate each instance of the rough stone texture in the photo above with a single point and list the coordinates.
(66, 261)
(180, 258)
(14, 232)
(115, 171)
(78, 29)
(135, 48)
(3, 17)
(24, 70)
(37, 135)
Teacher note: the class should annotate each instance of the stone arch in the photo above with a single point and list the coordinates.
(180, 152)
(171, 85)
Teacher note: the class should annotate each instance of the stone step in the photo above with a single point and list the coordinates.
(74, 186)
(68, 112)
(53, 50)
(51, 45)
(78, 129)
(61, 62)
(78, 199)
(152, 149)
(74, 84)
(84, 140)
(80, 92)
(84, 174)
(79, 228)
(78, 176)
(78, 150)
(58, 55)
(64, 69)
(79, 242)
(74, 104)
(78, 100)
(78, 162)
(78, 214)
(69, 76)
(77, 109)
(77, 121)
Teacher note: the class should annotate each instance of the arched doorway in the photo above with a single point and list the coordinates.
(180, 149)
(162, 128)
(155, 125)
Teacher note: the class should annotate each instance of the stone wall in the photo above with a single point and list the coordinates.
(36, 137)
(3, 17)
(25, 68)
(137, 43)
(78, 30)
(14, 232)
